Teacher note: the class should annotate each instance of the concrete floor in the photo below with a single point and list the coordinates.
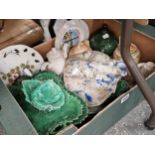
(132, 123)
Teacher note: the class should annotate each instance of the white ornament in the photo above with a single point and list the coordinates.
(56, 61)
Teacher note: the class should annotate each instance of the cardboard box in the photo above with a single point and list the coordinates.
(14, 120)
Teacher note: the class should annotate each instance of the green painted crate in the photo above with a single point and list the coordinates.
(14, 121)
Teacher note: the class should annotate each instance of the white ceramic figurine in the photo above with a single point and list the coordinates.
(56, 61)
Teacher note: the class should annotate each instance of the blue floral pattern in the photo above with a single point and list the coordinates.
(93, 76)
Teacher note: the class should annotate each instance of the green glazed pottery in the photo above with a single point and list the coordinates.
(104, 41)
(48, 114)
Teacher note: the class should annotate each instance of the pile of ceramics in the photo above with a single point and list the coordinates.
(78, 78)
